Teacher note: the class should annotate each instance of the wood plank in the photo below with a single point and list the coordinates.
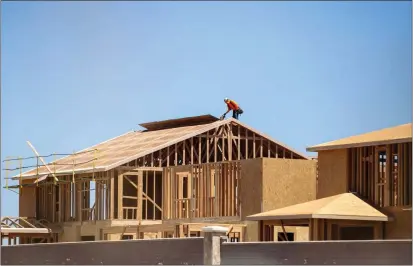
(253, 146)
(139, 194)
(376, 178)
(246, 144)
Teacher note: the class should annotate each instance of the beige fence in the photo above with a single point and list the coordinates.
(210, 249)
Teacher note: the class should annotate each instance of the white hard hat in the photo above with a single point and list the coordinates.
(225, 99)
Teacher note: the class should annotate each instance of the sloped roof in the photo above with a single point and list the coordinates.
(397, 134)
(345, 206)
(132, 145)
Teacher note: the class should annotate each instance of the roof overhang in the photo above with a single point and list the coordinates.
(326, 147)
(391, 135)
(11, 230)
(58, 173)
(318, 216)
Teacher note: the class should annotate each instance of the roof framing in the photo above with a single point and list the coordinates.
(173, 147)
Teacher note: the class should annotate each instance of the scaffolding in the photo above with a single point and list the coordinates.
(26, 230)
(18, 164)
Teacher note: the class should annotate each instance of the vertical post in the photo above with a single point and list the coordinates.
(37, 171)
(120, 196)
(207, 147)
(212, 244)
(7, 174)
(140, 201)
(21, 180)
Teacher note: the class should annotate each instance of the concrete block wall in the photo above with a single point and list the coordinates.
(378, 252)
(210, 251)
(178, 251)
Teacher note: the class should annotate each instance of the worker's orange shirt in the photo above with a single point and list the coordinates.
(232, 105)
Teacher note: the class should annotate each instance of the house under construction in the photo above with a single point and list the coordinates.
(168, 180)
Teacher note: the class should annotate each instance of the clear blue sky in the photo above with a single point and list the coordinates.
(75, 74)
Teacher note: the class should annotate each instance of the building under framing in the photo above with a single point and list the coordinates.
(168, 180)
(364, 190)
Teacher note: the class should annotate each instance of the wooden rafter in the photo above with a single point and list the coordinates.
(153, 148)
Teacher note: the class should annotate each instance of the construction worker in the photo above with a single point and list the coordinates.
(232, 105)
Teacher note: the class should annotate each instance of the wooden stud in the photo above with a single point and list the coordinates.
(120, 196)
(246, 144)
(215, 148)
(388, 178)
(199, 150)
(183, 152)
(146, 197)
(207, 147)
(154, 195)
(238, 143)
(253, 146)
(229, 139)
(192, 150)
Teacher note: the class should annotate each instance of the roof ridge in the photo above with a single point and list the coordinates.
(336, 197)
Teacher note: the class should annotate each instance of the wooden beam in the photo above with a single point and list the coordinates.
(215, 148)
(176, 154)
(229, 140)
(207, 148)
(246, 144)
(253, 146)
(192, 150)
(239, 142)
(199, 150)
(120, 196)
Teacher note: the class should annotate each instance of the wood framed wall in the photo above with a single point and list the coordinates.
(202, 191)
(139, 195)
(67, 201)
(118, 193)
(382, 174)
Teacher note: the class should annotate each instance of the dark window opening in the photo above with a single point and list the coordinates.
(127, 237)
(285, 236)
(195, 234)
(185, 187)
(357, 233)
(234, 237)
(87, 238)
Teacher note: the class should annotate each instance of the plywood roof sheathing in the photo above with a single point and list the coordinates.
(133, 145)
(392, 135)
(346, 206)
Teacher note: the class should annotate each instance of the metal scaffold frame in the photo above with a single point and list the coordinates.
(40, 178)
